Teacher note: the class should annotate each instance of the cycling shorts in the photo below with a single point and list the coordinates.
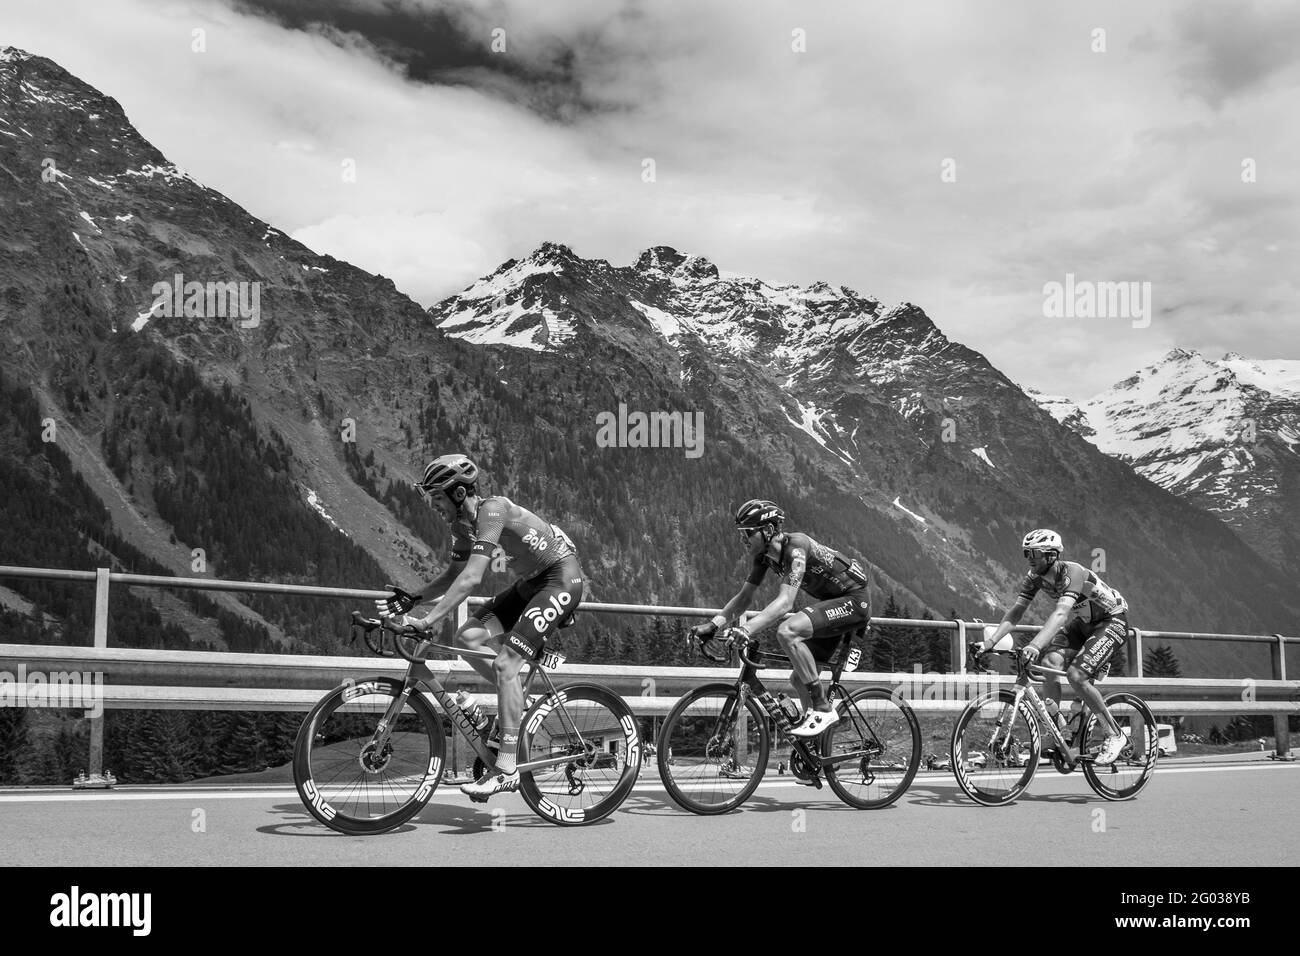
(528, 611)
(1090, 645)
(833, 618)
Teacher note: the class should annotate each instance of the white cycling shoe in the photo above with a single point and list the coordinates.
(490, 784)
(814, 723)
(1110, 750)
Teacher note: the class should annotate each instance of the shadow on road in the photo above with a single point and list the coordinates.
(646, 806)
(948, 797)
(297, 822)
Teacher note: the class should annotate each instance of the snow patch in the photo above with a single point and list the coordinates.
(314, 502)
(901, 507)
(665, 324)
(983, 455)
(86, 216)
(141, 321)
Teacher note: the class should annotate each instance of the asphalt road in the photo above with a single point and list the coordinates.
(1241, 813)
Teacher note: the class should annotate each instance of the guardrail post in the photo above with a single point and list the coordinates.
(957, 648)
(1135, 651)
(101, 641)
(1281, 732)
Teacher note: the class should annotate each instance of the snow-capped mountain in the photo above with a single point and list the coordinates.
(1222, 434)
(879, 434)
(841, 396)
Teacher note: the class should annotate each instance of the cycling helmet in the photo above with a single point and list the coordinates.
(454, 475)
(1042, 539)
(758, 512)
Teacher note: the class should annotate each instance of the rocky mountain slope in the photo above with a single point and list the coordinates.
(280, 446)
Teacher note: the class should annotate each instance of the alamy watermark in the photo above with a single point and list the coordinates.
(208, 300)
(934, 686)
(1084, 299)
(651, 430)
(62, 690)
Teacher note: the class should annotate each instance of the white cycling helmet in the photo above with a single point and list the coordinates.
(1042, 539)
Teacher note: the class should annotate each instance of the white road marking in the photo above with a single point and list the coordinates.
(252, 792)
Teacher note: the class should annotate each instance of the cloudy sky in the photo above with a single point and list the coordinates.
(790, 141)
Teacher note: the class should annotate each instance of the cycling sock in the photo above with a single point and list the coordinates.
(509, 741)
(817, 695)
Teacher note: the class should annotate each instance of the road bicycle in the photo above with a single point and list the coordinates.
(370, 754)
(1008, 725)
(714, 744)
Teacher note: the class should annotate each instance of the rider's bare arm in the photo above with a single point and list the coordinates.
(439, 585)
(469, 576)
(784, 601)
(781, 605)
(1009, 620)
(1060, 614)
(737, 604)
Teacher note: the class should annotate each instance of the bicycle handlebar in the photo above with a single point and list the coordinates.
(369, 625)
(1035, 671)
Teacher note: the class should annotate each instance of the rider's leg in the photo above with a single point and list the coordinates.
(792, 632)
(1093, 657)
(1082, 683)
(510, 704)
(1055, 659)
(478, 635)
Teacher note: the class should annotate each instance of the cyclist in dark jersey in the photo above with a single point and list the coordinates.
(1089, 622)
(520, 618)
(836, 583)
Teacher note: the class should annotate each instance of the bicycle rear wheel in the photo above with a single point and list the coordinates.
(1010, 761)
(876, 746)
(597, 729)
(711, 753)
(345, 781)
(1129, 774)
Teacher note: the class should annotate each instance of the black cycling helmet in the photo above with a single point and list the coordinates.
(758, 512)
(454, 475)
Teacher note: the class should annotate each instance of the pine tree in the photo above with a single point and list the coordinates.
(14, 742)
(1161, 662)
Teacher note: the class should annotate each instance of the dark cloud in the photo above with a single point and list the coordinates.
(1237, 47)
(447, 44)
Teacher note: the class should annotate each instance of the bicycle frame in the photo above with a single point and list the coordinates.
(750, 682)
(418, 674)
(1025, 690)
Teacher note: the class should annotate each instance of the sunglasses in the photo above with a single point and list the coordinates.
(1033, 554)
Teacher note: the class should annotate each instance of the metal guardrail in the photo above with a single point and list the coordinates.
(198, 680)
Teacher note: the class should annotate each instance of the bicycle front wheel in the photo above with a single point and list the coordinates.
(348, 778)
(597, 730)
(1128, 775)
(875, 748)
(1008, 737)
(712, 753)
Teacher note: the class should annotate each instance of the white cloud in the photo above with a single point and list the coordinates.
(791, 166)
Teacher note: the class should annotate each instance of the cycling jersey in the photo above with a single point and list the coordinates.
(1094, 599)
(820, 571)
(530, 544)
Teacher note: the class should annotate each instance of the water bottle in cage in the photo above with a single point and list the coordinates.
(789, 708)
(472, 710)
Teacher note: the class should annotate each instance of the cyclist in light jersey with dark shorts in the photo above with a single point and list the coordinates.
(520, 618)
(1089, 622)
(837, 584)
